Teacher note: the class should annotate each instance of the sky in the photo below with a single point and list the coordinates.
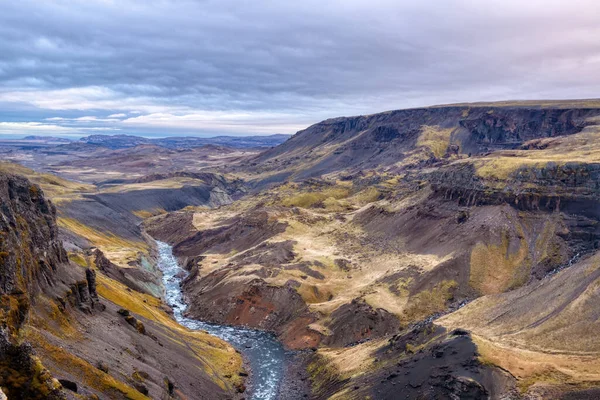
(224, 67)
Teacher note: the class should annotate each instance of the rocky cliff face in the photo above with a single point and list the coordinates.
(568, 191)
(70, 331)
(382, 140)
(32, 261)
(29, 244)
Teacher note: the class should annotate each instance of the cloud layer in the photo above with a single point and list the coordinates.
(207, 67)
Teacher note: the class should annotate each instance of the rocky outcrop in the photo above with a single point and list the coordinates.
(172, 227)
(32, 260)
(90, 276)
(22, 375)
(135, 278)
(424, 362)
(357, 322)
(433, 364)
(253, 303)
(568, 187)
(499, 128)
(30, 250)
(569, 190)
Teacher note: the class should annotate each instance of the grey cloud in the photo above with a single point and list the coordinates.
(306, 60)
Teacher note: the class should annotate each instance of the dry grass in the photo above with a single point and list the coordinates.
(171, 183)
(435, 139)
(539, 368)
(304, 200)
(429, 302)
(144, 214)
(78, 259)
(501, 168)
(583, 148)
(47, 316)
(352, 362)
(218, 358)
(323, 235)
(544, 333)
(54, 187)
(313, 198)
(60, 359)
(366, 196)
(119, 250)
(494, 269)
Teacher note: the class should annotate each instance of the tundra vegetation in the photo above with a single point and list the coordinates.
(449, 250)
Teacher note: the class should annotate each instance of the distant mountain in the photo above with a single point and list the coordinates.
(126, 141)
(46, 139)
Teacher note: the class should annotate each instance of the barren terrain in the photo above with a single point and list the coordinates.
(449, 251)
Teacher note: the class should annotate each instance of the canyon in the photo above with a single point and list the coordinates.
(439, 252)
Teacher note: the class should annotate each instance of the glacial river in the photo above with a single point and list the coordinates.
(263, 351)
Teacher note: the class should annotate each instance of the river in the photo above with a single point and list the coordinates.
(262, 350)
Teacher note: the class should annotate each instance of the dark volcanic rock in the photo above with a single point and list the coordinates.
(172, 227)
(426, 362)
(90, 276)
(296, 382)
(357, 322)
(32, 259)
(29, 247)
(270, 254)
(22, 376)
(67, 384)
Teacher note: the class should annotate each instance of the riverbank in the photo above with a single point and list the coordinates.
(264, 353)
(296, 383)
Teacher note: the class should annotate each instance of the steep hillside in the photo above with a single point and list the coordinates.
(416, 137)
(107, 217)
(542, 333)
(69, 331)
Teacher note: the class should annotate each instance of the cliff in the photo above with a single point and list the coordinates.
(68, 331)
(32, 262)
(415, 137)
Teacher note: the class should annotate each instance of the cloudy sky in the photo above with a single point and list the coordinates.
(204, 67)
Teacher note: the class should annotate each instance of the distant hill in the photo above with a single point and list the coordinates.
(126, 141)
(47, 139)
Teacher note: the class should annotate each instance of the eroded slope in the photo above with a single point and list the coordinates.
(68, 330)
(455, 209)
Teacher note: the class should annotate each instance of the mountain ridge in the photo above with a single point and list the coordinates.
(418, 135)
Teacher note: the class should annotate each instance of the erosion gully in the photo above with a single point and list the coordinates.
(262, 350)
